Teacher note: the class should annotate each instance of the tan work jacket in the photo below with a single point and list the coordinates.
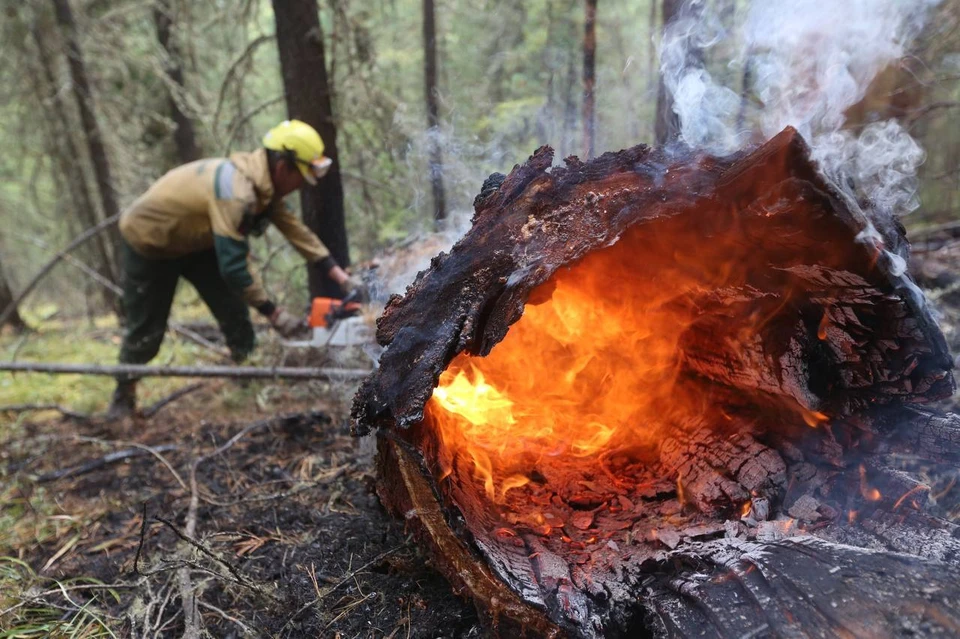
(216, 203)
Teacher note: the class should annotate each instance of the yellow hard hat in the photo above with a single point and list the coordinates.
(304, 143)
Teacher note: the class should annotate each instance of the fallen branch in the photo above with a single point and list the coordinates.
(23, 408)
(235, 574)
(119, 442)
(77, 241)
(87, 270)
(237, 124)
(96, 464)
(188, 595)
(280, 420)
(156, 407)
(234, 372)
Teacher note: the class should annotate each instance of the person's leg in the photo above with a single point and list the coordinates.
(148, 290)
(230, 311)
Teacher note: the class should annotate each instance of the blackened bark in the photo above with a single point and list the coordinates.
(754, 524)
(473, 295)
(667, 125)
(307, 90)
(184, 136)
(85, 105)
(433, 109)
(6, 297)
(589, 78)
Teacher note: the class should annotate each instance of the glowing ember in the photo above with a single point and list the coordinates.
(812, 418)
(822, 329)
(866, 490)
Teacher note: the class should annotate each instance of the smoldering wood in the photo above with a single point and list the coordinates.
(537, 221)
(764, 525)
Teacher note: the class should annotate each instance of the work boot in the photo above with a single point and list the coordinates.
(124, 402)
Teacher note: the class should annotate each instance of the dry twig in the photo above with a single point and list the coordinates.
(96, 464)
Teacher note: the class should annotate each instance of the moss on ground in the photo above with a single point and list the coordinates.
(80, 341)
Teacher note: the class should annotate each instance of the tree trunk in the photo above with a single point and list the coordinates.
(184, 137)
(63, 148)
(667, 126)
(433, 110)
(91, 129)
(307, 90)
(6, 297)
(589, 78)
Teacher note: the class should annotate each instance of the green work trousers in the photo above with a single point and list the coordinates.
(148, 290)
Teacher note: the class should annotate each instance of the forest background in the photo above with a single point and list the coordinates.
(171, 80)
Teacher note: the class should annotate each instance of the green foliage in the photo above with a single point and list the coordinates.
(32, 607)
(510, 81)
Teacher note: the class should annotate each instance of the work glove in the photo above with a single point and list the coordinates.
(355, 289)
(286, 324)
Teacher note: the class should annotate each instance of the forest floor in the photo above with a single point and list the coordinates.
(252, 495)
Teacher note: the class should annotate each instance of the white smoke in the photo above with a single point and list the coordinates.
(810, 61)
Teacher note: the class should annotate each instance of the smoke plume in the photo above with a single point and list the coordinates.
(810, 61)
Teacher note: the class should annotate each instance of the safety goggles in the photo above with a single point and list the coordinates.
(315, 169)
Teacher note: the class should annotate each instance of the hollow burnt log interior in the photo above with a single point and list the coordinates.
(672, 393)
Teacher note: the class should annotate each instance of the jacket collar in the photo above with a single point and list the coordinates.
(254, 167)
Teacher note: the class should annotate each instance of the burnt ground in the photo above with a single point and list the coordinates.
(291, 540)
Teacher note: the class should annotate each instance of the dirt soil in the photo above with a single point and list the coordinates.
(288, 540)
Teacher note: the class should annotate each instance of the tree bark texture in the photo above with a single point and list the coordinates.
(184, 135)
(83, 95)
(667, 125)
(751, 524)
(307, 90)
(6, 298)
(433, 109)
(589, 78)
(475, 295)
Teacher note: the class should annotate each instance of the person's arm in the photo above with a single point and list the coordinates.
(233, 254)
(308, 244)
(233, 197)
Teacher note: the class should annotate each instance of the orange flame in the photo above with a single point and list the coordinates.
(912, 491)
(591, 371)
(868, 492)
(822, 329)
(812, 418)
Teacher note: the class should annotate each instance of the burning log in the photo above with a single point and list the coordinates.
(666, 393)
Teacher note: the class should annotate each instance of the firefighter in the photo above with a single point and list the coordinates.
(194, 222)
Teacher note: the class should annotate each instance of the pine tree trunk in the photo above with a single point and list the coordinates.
(6, 297)
(589, 78)
(666, 126)
(91, 129)
(184, 137)
(63, 148)
(433, 109)
(307, 89)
